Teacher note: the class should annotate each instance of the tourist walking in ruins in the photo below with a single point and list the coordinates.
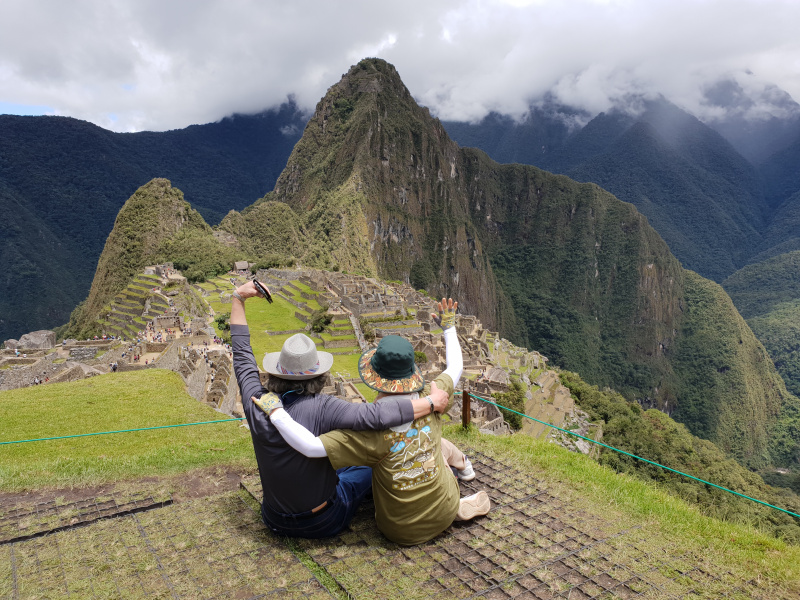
(306, 497)
(416, 494)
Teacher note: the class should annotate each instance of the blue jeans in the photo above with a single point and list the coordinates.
(354, 484)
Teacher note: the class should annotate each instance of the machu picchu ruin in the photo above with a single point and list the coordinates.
(161, 321)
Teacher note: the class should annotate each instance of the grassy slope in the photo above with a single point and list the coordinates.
(668, 521)
(108, 403)
(278, 316)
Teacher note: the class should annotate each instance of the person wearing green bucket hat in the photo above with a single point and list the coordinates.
(305, 497)
(416, 494)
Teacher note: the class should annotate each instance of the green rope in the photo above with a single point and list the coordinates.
(788, 512)
(63, 437)
(719, 487)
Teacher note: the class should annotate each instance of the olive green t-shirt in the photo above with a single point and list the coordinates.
(416, 494)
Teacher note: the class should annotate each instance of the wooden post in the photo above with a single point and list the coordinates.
(465, 406)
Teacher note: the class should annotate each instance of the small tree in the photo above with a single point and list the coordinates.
(514, 399)
(223, 321)
(320, 319)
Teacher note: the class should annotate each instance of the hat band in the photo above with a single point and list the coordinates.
(286, 371)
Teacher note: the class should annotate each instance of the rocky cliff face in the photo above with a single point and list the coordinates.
(377, 169)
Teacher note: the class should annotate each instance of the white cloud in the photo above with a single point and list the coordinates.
(163, 64)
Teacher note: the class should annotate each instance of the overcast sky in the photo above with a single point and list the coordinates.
(130, 65)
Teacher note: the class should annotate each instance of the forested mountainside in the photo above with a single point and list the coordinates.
(717, 212)
(703, 197)
(768, 296)
(378, 187)
(62, 182)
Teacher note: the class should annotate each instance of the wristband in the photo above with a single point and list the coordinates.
(430, 400)
(269, 402)
(237, 295)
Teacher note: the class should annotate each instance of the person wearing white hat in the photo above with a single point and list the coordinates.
(306, 497)
(416, 496)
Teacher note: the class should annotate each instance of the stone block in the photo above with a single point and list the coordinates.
(43, 339)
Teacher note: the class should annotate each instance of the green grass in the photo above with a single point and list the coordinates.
(346, 363)
(669, 521)
(112, 402)
(305, 288)
(367, 392)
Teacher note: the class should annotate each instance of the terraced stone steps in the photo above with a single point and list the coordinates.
(550, 403)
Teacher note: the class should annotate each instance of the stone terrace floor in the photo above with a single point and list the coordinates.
(533, 545)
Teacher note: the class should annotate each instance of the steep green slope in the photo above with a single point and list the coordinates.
(654, 436)
(35, 292)
(560, 266)
(154, 225)
(702, 197)
(758, 288)
(62, 182)
(730, 390)
(783, 233)
(768, 296)
(779, 331)
(781, 175)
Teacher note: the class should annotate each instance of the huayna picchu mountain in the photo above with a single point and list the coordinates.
(376, 186)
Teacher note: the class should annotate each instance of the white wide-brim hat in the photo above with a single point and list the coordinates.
(298, 359)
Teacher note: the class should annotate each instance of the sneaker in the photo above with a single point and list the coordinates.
(473, 506)
(467, 473)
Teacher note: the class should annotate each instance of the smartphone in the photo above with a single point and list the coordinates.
(263, 290)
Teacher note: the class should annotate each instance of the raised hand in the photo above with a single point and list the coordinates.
(447, 313)
(248, 290)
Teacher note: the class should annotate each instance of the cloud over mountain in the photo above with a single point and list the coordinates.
(149, 64)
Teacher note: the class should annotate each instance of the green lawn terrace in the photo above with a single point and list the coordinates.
(113, 402)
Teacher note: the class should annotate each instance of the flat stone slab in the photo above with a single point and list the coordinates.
(26, 521)
(532, 545)
(209, 548)
(536, 543)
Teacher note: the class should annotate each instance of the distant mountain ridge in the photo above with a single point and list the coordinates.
(701, 195)
(376, 186)
(62, 182)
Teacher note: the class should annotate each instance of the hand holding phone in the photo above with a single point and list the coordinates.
(263, 290)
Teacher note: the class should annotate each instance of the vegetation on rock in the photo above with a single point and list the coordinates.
(653, 435)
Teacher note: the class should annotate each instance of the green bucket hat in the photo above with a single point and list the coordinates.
(390, 367)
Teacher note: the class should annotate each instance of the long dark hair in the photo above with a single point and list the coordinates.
(304, 387)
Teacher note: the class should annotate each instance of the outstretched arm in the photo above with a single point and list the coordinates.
(244, 363)
(446, 319)
(297, 436)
